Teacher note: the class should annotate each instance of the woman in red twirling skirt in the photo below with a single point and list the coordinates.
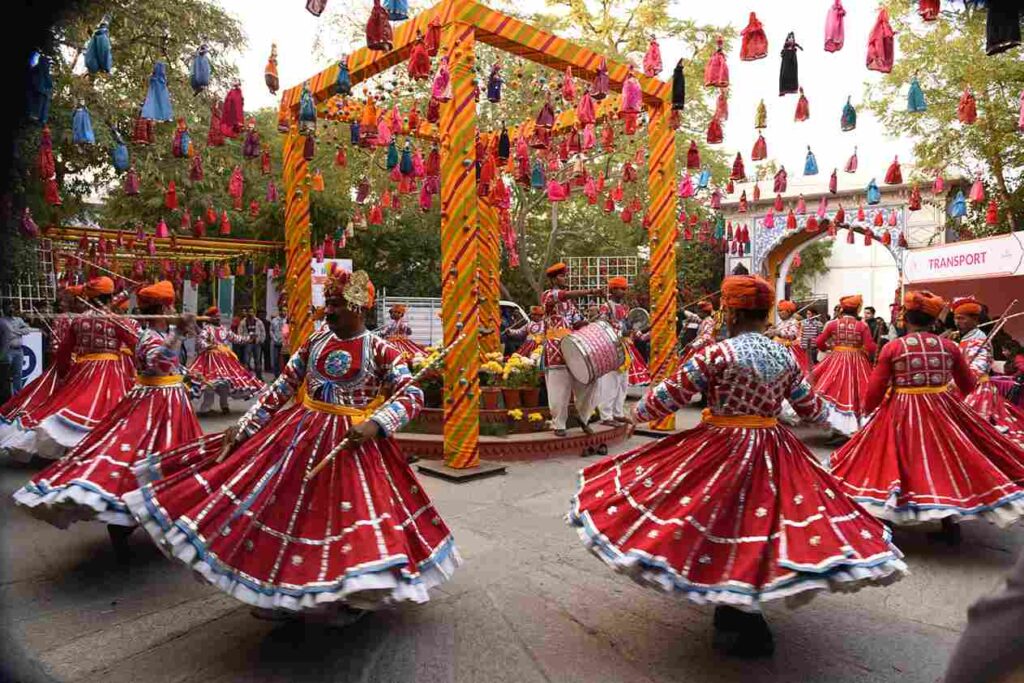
(842, 378)
(788, 333)
(736, 511)
(219, 369)
(925, 455)
(239, 510)
(397, 332)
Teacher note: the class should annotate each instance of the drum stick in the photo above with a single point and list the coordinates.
(104, 314)
(1000, 322)
(697, 301)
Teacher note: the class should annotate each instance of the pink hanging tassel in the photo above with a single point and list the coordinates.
(834, 27)
(686, 187)
(632, 95)
(977, 195)
(939, 186)
(441, 89)
(568, 86)
(652, 60)
(161, 229)
(851, 163)
(822, 207)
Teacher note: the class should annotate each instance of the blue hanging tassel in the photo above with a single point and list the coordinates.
(353, 131)
(874, 195)
(307, 111)
(811, 164)
(97, 52)
(398, 10)
(537, 175)
(157, 106)
(343, 86)
(915, 98)
(719, 227)
(199, 75)
(405, 165)
(392, 159)
(186, 140)
(958, 207)
(81, 126)
(119, 153)
(849, 118)
(705, 179)
(40, 89)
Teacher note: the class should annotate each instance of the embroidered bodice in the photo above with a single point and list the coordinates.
(158, 353)
(917, 361)
(562, 315)
(92, 333)
(614, 313)
(396, 328)
(846, 331)
(974, 347)
(344, 372)
(212, 336)
(744, 375)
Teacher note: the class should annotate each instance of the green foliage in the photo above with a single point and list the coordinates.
(813, 262)
(947, 56)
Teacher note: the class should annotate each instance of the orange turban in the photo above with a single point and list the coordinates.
(398, 308)
(854, 301)
(98, 286)
(620, 282)
(966, 305)
(76, 290)
(557, 269)
(161, 293)
(212, 312)
(536, 310)
(924, 301)
(747, 292)
(706, 307)
(787, 306)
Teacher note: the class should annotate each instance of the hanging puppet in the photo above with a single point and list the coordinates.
(754, 44)
(789, 77)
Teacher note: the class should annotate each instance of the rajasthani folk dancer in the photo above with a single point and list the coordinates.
(612, 387)
(397, 332)
(788, 332)
(89, 482)
(220, 368)
(977, 350)
(92, 380)
(842, 377)
(529, 335)
(925, 455)
(239, 509)
(736, 511)
(707, 330)
(561, 317)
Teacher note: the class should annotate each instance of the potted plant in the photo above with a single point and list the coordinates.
(432, 381)
(536, 422)
(529, 381)
(515, 417)
(512, 381)
(490, 383)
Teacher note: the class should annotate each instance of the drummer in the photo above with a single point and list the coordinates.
(612, 399)
(561, 317)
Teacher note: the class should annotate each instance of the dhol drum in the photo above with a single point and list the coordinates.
(593, 351)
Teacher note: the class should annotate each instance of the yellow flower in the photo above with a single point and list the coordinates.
(535, 417)
(517, 414)
(492, 367)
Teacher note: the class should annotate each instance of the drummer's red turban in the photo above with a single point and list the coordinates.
(924, 301)
(787, 306)
(747, 292)
(212, 312)
(618, 282)
(966, 305)
(853, 301)
(557, 269)
(159, 294)
(98, 286)
(536, 310)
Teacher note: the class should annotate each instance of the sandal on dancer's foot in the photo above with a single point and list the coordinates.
(560, 432)
(587, 429)
(610, 422)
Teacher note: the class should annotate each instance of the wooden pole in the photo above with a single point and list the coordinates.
(298, 249)
(489, 274)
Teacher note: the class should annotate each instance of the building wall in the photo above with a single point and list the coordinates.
(858, 269)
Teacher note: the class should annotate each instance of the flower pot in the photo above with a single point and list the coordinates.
(530, 397)
(490, 398)
(511, 397)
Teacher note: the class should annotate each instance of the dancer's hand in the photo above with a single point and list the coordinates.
(230, 434)
(186, 323)
(364, 431)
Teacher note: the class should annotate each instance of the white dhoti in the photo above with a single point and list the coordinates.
(561, 387)
(613, 387)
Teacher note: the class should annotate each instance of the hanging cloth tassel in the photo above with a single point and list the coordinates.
(928, 9)
(200, 70)
(716, 73)
(196, 173)
(171, 197)
(119, 154)
(715, 134)
(46, 165)
(405, 164)
(851, 163)
(915, 98)
(307, 111)
(977, 194)
(754, 42)
(678, 87)
(761, 116)
(392, 156)
(686, 187)
(504, 145)
(781, 180)
(271, 192)
(958, 207)
(98, 56)
(270, 71)
(722, 105)
(914, 203)
(967, 109)
(81, 126)
(378, 29)
(789, 75)
(225, 224)
(131, 183)
(40, 90)
(803, 108)
(894, 176)
(215, 136)
(760, 151)
(810, 163)
(180, 142)
(601, 85)
(848, 121)
(441, 88)
(777, 205)
(316, 7)
(233, 114)
(51, 193)
(317, 181)
(398, 10)
(157, 106)
(343, 84)
(835, 31)
(833, 182)
(801, 206)
(873, 193)
(881, 44)
(419, 63)
(236, 185)
(652, 59)
(632, 95)
(992, 213)
(738, 172)
(569, 86)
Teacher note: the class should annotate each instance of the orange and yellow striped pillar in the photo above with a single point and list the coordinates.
(298, 250)
(459, 247)
(661, 171)
(489, 274)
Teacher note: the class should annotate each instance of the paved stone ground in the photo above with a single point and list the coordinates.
(530, 604)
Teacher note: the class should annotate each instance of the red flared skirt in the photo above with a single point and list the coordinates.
(407, 346)
(842, 378)
(32, 395)
(527, 348)
(90, 481)
(87, 394)
(221, 368)
(927, 456)
(1003, 415)
(363, 532)
(730, 515)
(638, 372)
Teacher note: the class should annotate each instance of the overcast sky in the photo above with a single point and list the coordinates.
(827, 78)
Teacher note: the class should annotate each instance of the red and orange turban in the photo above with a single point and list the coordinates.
(747, 292)
(618, 282)
(536, 310)
(854, 301)
(212, 312)
(158, 294)
(787, 306)
(924, 301)
(399, 309)
(966, 305)
(706, 307)
(76, 290)
(98, 286)
(557, 269)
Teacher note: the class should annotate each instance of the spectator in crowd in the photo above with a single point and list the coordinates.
(12, 329)
(879, 329)
(810, 329)
(254, 332)
(277, 324)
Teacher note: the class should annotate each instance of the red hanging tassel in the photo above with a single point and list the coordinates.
(992, 214)
(879, 220)
(51, 194)
(867, 238)
(778, 206)
(171, 197)
(791, 220)
(196, 173)
(225, 224)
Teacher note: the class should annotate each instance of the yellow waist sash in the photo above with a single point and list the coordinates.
(847, 348)
(921, 390)
(982, 379)
(158, 380)
(356, 415)
(97, 356)
(222, 348)
(557, 334)
(742, 421)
